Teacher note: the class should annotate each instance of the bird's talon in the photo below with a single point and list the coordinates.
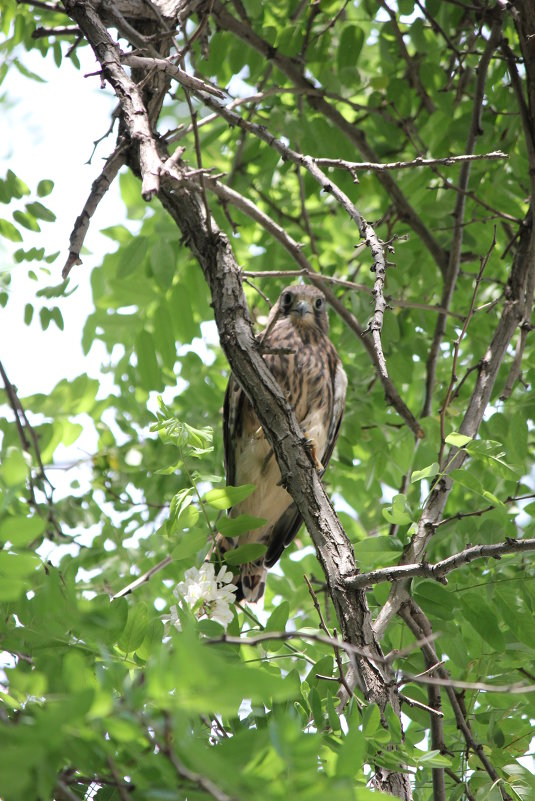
(259, 433)
(311, 445)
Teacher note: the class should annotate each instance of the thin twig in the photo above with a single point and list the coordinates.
(371, 166)
(413, 703)
(197, 779)
(121, 787)
(439, 570)
(324, 627)
(454, 260)
(44, 33)
(479, 512)
(456, 347)
(143, 579)
(332, 279)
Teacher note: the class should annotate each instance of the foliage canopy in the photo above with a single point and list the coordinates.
(259, 130)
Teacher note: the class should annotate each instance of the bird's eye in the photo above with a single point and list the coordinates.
(318, 303)
(286, 299)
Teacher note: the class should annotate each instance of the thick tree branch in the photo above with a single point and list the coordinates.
(129, 96)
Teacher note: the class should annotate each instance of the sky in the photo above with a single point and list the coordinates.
(48, 131)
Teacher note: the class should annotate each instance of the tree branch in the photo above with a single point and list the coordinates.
(420, 626)
(98, 190)
(128, 93)
(370, 166)
(454, 260)
(353, 133)
(513, 313)
(174, 71)
(439, 570)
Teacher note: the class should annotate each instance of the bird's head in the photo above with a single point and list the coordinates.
(305, 306)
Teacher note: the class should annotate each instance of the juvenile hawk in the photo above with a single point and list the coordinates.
(311, 375)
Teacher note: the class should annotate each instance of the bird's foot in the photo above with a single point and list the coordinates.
(259, 433)
(312, 448)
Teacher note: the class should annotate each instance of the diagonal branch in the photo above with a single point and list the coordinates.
(98, 190)
(412, 67)
(420, 626)
(132, 106)
(454, 260)
(513, 312)
(353, 133)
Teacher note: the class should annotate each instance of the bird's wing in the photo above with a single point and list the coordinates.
(339, 403)
(289, 523)
(232, 412)
(283, 533)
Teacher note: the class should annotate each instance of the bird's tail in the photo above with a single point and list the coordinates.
(250, 579)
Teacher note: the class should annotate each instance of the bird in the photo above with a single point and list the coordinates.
(296, 347)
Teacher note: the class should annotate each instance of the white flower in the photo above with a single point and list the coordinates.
(209, 596)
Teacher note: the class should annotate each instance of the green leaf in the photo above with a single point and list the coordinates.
(351, 755)
(8, 230)
(21, 531)
(242, 524)
(37, 209)
(434, 759)
(371, 721)
(147, 366)
(426, 472)
(225, 497)
(190, 544)
(458, 440)
(26, 220)
(14, 468)
(45, 187)
(399, 512)
(152, 640)
(279, 617)
(482, 618)
(135, 629)
(245, 553)
(18, 565)
(351, 42)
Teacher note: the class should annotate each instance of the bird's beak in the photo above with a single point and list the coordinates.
(302, 308)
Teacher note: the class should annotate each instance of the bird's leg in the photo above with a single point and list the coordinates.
(312, 448)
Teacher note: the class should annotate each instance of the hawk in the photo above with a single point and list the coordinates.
(304, 362)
